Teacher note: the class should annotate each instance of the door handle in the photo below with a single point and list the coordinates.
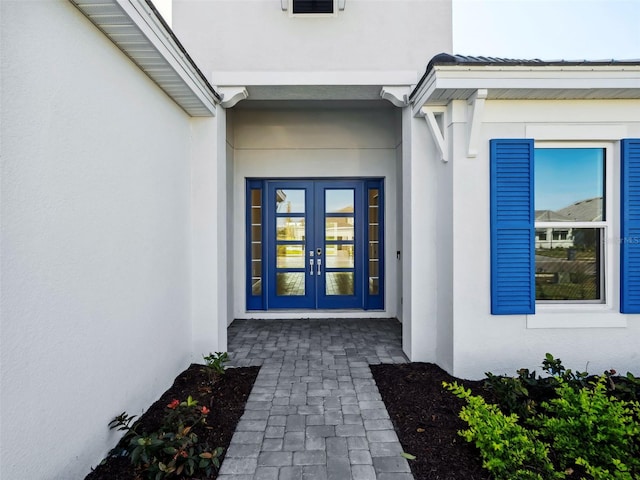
(319, 263)
(311, 266)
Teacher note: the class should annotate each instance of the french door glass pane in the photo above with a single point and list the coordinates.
(290, 201)
(339, 283)
(339, 256)
(290, 283)
(339, 201)
(568, 264)
(290, 256)
(339, 228)
(290, 228)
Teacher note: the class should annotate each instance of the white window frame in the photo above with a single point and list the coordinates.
(575, 308)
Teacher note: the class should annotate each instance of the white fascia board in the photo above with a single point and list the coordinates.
(338, 78)
(146, 20)
(467, 77)
(135, 28)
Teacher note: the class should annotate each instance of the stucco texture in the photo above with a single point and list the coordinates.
(95, 240)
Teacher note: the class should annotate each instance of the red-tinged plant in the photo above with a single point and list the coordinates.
(173, 450)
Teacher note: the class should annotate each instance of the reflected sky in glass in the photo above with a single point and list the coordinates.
(564, 176)
(339, 200)
(290, 201)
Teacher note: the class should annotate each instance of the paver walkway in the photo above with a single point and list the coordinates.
(315, 412)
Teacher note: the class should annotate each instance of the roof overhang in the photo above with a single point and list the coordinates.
(394, 86)
(444, 83)
(136, 28)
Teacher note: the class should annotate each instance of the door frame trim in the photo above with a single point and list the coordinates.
(370, 301)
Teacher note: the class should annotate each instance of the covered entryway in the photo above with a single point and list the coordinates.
(316, 217)
(315, 244)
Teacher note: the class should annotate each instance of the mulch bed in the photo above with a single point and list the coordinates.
(425, 417)
(226, 400)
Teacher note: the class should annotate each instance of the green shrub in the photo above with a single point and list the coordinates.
(173, 450)
(555, 423)
(508, 450)
(590, 425)
(214, 365)
(523, 394)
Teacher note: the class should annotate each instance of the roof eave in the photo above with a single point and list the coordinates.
(136, 28)
(443, 83)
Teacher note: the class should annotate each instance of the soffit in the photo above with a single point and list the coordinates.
(533, 80)
(137, 29)
(320, 85)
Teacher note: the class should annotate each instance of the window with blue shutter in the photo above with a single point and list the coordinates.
(630, 227)
(512, 227)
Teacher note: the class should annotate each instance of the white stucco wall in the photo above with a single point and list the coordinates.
(256, 35)
(583, 338)
(95, 241)
(341, 140)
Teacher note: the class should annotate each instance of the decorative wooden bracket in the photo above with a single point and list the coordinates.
(476, 101)
(397, 95)
(436, 129)
(232, 95)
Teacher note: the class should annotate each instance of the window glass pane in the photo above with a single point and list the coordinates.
(290, 256)
(339, 283)
(374, 228)
(374, 278)
(256, 241)
(339, 201)
(312, 6)
(290, 228)
(289, 201)
(569, 184)
(569, 264)
(290, 283)
(339, 256)
(339, 228)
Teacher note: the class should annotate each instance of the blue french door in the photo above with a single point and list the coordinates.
(317, 245)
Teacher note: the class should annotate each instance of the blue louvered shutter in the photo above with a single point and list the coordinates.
(630, 227)
(512, 227)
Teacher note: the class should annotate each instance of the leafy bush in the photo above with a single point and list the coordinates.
(214, 365)
(172, 450)
(523, 394)
(589, 425)
(508, 449)
(568, 419)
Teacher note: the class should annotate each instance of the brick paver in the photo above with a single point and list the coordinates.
(315, 411)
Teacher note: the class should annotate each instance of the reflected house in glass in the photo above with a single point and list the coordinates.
(589, 210)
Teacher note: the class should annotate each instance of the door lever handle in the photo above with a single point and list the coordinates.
(319, 263)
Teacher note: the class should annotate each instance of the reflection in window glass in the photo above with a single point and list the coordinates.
(569, 184)
(569, 192)
(289, 201)
(290, 228)
(290, 256)
(339, 283)
(568, 264)
(256, 241)
(374, 242)
(339, 201)
(339, 228)
(339, 256)
(290, 283)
